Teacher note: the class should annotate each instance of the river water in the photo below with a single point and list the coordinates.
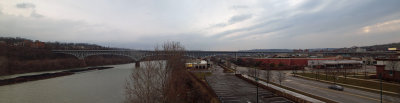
(97, 86)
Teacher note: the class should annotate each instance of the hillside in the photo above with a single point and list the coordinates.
(382, 47)
(18, 55)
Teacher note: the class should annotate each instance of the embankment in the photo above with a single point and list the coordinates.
(27, 78)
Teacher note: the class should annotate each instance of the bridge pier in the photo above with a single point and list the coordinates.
(236, 57)
(137, 63)
(83, 62)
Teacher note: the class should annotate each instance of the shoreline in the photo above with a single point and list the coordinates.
(27, 78)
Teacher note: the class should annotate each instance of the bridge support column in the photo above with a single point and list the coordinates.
(137, 63)
(83, 62)
(236, 57)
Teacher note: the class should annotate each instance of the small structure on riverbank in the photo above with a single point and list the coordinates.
(197, 64)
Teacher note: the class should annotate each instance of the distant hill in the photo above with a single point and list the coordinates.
(22, 42)
(20, 55)
(269, 50)
(382, 47)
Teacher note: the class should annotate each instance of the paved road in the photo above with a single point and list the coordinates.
(349, 95)
(231, 89)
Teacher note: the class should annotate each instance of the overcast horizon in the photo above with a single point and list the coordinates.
(205, 24)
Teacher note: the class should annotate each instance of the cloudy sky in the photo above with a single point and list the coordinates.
(205, 24)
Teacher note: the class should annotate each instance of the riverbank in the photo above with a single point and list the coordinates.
(42, 76)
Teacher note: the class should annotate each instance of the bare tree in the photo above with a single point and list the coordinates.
(335, 75)
(365, 70)
(268, 75)
(142, 86)
(159, 81)
(251, 72)
(281, 77)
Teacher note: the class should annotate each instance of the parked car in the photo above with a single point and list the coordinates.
(336, 87)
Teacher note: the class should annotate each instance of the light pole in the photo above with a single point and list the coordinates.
(365, 70)
(256, 82)
(380, 76)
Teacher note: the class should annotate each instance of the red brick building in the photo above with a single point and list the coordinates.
(389, 68)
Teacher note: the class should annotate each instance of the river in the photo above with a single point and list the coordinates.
(97, 86)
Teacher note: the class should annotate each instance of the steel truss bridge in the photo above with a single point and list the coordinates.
(139, 55)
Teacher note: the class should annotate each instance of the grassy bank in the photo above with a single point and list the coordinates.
(355, 82)
(199, 81)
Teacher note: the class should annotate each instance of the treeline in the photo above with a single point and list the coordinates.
(22, 42)
(15, 59)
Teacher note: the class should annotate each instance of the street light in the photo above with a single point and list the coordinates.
(255, 74)
(380, 76)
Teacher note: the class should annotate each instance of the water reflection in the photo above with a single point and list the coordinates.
(100, 86)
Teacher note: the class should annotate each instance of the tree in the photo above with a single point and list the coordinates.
(295, 68)
(258, 64)
(272, 65)
(268, 75)
(159, 81)
(281, 77)
(239, 62)
(281, 64)
(143, 86)
(250, 62)
(365, 70)
(335, 75)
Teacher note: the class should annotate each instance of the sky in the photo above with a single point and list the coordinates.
(205, 24)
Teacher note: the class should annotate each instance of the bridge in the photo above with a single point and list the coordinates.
(138, 55)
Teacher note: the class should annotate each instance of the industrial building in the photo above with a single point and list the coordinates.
(197, 64)
(389, 68)
(335, 64)
(290, 61)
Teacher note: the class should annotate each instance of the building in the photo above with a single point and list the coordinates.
(361, 50)
(389, 69)
(335, 64)
(368, 60)
(197, 64)
(290, 61)
(37, 44)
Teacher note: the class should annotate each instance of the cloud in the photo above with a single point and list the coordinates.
(239, 18)
(36, 15)
(234, 19)
(248, 28)
(386, 26)
(25, 5)
(239, 7)
(234, 25)
(47, 29)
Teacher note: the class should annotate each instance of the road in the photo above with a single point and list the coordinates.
(349, 95)
(231, 89)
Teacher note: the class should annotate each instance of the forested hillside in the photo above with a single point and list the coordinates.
(18, 55)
